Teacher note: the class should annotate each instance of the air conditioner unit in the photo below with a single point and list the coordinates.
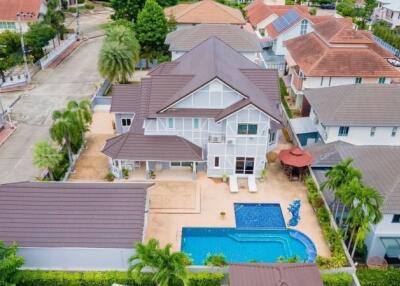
(215, 139)
(231, 141)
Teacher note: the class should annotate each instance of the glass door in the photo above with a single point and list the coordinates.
(244, 165)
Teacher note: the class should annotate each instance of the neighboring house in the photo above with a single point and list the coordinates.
(212, 109)
(260, 14)
(292, 24)
(10, 8)
(258, 274)
(366, 114)
(388, 11)
(204, 12)
(334, 54)
(379, 166)
(74, 226)
(246, 43)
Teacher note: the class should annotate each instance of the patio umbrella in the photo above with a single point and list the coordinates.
(296, 157)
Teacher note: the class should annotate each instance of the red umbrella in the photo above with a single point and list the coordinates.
(296, 157)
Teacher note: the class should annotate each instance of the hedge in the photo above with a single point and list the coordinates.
(337, 279)
(338, 257)
(284, 93)
(61, 278)
(379, 277)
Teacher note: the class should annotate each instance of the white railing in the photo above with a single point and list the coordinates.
(13, 80)
(50, 57)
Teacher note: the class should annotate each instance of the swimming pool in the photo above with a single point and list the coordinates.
(260, 236)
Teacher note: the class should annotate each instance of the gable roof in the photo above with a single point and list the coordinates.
(236, 37)
(316, 57)
(379, 165)
(356, 105)
(95, 215)
(205, 12)
(139, 147)
(291, 274)
(212, 59)
(10, 8)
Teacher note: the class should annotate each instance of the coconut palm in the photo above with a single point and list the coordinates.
(168, 267)
(45, 156)
(339, 176)
(83, 115)
(116, 62)
(126, 37)
(65, 130)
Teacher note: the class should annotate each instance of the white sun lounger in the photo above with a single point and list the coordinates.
(233, 184)
(251, 181)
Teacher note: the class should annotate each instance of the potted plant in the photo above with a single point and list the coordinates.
(224, 178)
(222, 214)
(125, 173)
(152, 175)
(263, 174)
(110, 176)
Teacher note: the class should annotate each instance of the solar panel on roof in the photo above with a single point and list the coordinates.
(286, 20)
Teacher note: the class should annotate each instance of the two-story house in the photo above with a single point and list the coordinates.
(211, 109)
(183, 40)
(379, 166)
(335, 54)
(187, 15)
(366, 114)
(387, 11)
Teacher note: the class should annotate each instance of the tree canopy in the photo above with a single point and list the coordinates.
(10, 51)
(126, 9)
(45, 156)
(39, 36)
(9, 264)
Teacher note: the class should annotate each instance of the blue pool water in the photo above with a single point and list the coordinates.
(260, 235)
(259, 216)
(245, 245)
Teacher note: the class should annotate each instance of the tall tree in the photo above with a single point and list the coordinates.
(10, 51)
(10, 262)
(152, 28)
(82, 112)
(126, 9)
(116, 62)
(46, 156)
(39, 36)
(65, 131)
(169, 267)
(126, 37)
(55, 18)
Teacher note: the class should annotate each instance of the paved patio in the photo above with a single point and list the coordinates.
(215, 198)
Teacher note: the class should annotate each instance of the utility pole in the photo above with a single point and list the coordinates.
(21, 35)
(77, 20)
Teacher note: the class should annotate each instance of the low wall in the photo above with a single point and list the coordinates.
(50, 57)
(14, 80)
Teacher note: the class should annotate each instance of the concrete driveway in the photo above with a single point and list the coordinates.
(74, 79)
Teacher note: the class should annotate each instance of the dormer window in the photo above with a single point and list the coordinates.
(303, 27)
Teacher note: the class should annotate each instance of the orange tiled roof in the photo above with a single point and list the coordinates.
(205, 12)
(9, 9)
(316, 57)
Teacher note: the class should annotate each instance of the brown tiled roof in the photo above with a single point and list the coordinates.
(205, 12)
(99, 215)
(134, 146)
(191, 112)
(316, 58)
(291, 274)
(233, 35)
(125, 98)
(10, 8)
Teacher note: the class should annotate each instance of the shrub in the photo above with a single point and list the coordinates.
(338, 279)
(284, 93)
(379, 277)
(89, 6)
(60, 278)
(216, 260)
(313, 11)
(81, 1)
(110, 177)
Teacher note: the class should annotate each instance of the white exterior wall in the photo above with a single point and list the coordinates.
(77, 259)
(318, 82)
(291, 33)
(358, 135)
(384, 229)
(253, 56)
(381, 13)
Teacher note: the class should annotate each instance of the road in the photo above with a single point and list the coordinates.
(75, 79)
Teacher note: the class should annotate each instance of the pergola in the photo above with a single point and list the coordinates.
(295, 162)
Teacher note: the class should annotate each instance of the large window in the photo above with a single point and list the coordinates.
(170, 123)
(126, 122)
(181, 164)
(382, 80)
(244, 165)
(343, 130)
(358, 80)
(303, 27)
(7, 26)
(247, 129)
(396, 218)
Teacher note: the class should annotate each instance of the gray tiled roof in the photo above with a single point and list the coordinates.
(135, 146)
(293, 274)
(98, 215)
(184, 40)
(357, 105)
(379, 165)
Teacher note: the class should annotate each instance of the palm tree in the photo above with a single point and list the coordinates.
(169, 267)
(81, 110)
(116, 62)
(65, 130)
(126, 37)
(46, 156)
(339, 176)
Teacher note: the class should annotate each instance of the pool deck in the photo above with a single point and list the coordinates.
(205, 198)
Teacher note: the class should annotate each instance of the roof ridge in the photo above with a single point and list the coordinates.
(225, 9)
(190, 7)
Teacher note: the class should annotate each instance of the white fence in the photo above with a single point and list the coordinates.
(50, 57)
(13, 80)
